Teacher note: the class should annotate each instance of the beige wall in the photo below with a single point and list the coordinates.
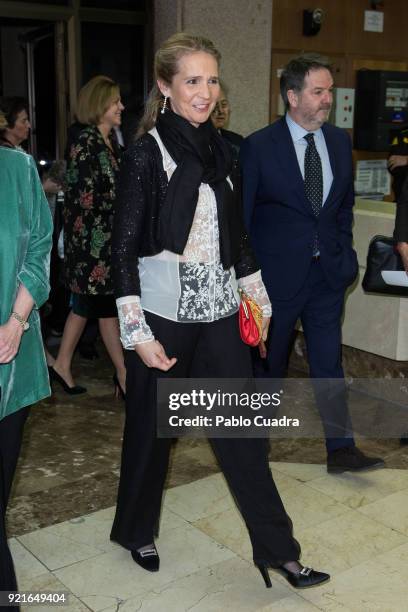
(241, 30)
(167, 19)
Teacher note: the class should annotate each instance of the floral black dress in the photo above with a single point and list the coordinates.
(88, 213)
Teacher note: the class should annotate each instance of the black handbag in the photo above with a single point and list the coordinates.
(382, 256)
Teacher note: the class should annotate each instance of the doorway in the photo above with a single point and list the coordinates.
(31, 60)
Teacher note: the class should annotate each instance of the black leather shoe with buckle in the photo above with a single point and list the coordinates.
(304, 578)
(351, 459)
(148, 559)
(307, 577)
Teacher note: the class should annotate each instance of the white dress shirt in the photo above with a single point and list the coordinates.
(297, 133)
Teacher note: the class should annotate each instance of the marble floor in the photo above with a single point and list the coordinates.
(355, 527)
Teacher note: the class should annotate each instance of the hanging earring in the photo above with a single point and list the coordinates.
(163, 109)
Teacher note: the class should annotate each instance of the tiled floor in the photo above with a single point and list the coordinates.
(354, 527)
(60, 513)
(70, 458)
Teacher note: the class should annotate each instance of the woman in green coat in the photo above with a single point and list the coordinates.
(25, 243)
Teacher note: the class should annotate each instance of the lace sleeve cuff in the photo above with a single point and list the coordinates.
(133, 327)
(254, 287)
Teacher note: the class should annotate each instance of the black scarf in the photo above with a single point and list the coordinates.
(202, 156)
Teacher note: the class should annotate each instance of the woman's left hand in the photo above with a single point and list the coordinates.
(10, 338)
(265, 328)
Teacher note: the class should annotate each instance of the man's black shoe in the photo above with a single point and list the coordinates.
(404, 438)
(351, 459)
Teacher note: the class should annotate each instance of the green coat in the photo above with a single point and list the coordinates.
(25, 244)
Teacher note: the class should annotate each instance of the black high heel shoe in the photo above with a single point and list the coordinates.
(307, 577)
(75, 390)
(119, 392)
(148, 559)
(265, 575)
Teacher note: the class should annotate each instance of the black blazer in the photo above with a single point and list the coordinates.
(136, 228)
(234, 139)
(400, 173)
(401, 219)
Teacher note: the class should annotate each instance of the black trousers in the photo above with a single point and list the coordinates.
(218, 352)
(11, 433)
(319, 308)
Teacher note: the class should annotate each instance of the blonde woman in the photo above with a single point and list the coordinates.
(179, 247)
(93, 166)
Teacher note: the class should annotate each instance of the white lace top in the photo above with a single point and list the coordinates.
(188, 288)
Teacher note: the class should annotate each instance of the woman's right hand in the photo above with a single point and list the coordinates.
(10, 338)
(397, 161)
(153, 355)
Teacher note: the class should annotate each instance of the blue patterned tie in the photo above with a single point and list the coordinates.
(313, 181)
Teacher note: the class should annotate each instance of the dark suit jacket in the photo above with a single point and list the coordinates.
(399, 146)
(235, 140)
(232, 137)
(279, 217)
(401, 219)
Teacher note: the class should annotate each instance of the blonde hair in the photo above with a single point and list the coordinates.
(166, 66)
(3, 121)
(95, 98)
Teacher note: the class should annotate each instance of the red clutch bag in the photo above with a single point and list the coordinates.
(250, 320)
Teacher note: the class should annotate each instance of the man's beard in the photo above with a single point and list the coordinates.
(317, 120)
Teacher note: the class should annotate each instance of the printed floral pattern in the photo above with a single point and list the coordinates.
(88, 213)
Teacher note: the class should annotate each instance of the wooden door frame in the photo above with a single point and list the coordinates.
(72, 16)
